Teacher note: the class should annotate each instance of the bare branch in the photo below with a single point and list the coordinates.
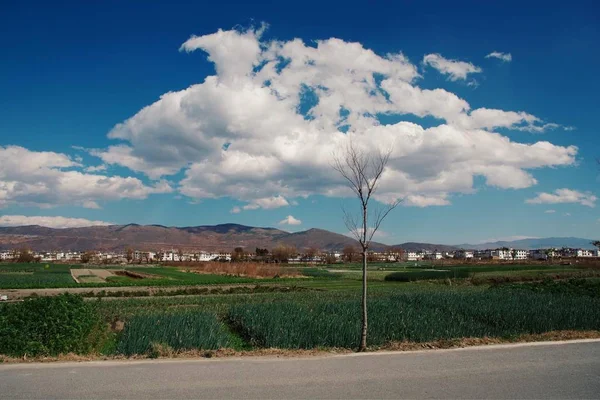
(352, 224)
(378, 166)
(351, 169)
(380, 215)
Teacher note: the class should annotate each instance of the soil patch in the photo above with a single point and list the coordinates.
(84, 275)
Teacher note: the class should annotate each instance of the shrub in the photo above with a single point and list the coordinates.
(49, 326)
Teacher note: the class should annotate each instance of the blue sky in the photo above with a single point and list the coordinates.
(71, 72)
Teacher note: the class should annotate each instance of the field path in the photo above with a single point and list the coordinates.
(565, 370)
(17, 294)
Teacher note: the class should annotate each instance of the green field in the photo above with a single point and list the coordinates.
(185, 330)
(39, 276)
(327, 317)
(416, 317)
(35, 276)
(319, 309)
(416, 312)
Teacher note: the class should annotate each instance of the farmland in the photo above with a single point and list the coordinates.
(313, 308)
(40, 276)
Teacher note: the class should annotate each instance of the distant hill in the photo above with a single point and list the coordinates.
(539, 243)
(324, 239)
(156, 237)
(415, 246)
(223, 237)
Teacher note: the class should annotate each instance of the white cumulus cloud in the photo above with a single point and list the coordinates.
(290, 220)
(267, 203)
(454, 69)
(263, 129)
(47, 179)
(564, 196)
(506, 57)
(50, 222)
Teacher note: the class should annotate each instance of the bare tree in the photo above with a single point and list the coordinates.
(282, 253)
(362, 172)
(596, 243)
(312, 252)
(129, 254)
(348, 253)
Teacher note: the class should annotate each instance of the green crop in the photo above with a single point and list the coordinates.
(420, 275)
(415, 317)
(178, 331)
(33, 276)
(49, 326)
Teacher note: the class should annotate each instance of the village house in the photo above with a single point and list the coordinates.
(463, 254)
(412, 256)
(586, 253)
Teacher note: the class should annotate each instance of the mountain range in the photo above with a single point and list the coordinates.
(156, 237)
(535, 243)
(224, 237)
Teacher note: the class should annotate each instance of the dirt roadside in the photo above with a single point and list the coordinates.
(452, 344)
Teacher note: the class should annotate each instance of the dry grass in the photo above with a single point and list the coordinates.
(468, 342)
(249, 269)
(161, 351)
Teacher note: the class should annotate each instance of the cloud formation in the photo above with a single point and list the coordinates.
(290, 220)
(267, 203)
(564, 196)
(50, 222)
(506, 57)
(454, 69)
(47, 179)
(266, 125)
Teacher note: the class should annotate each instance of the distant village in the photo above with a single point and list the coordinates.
(289, 255)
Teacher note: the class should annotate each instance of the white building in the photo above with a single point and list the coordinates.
(6, 255)
(586, 253)
(49, 256)
(72, 255)
(412, 256)
(170, 256)
(504, 254)
(463, 254)
(516, 254)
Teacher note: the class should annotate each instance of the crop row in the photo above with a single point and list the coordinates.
(310, 322)
(415, 317)
(51, 325)
(179, 331)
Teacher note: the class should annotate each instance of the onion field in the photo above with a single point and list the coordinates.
(35, 275)
(416, 317)
(178, 331)
(310, 320)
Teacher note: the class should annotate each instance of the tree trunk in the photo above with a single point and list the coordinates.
(363, 335)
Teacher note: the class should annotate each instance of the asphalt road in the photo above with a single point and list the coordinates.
(567, 370)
